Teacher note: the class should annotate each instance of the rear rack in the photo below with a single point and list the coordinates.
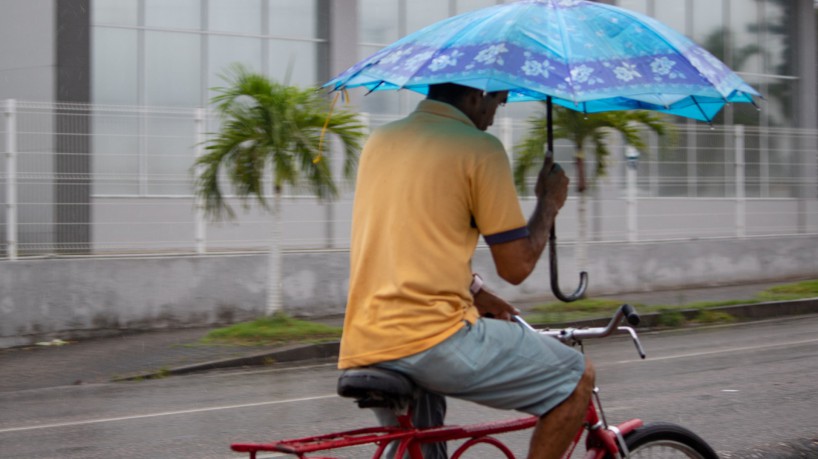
(382, 436)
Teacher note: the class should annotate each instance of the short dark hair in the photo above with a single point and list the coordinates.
(450, 92)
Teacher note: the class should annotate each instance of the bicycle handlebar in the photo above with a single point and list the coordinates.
(573, 336)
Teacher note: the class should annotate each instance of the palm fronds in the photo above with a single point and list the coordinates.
(581, 129)
(269, 126)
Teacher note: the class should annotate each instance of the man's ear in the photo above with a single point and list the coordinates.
(475, 98)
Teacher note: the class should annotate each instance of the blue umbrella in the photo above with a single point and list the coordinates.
(586, 56)
(583, 55)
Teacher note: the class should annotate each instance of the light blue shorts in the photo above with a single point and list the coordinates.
(498, 364)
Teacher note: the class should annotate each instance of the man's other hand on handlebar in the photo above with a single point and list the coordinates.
(491, 305)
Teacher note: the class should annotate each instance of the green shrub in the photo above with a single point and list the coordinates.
(708, 316)
(798, 290)
(278, 328)
(668, 318)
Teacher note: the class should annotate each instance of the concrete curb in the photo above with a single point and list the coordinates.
(294, 353)
(742, 312)
(323, 351)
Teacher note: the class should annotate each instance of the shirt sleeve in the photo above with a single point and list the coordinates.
(495, 204)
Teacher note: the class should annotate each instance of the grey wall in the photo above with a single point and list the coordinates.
(87, 296)
(615, 268)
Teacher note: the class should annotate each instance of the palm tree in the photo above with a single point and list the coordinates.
(265, 124)
(584, 130)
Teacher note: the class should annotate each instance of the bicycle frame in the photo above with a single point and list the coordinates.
(601, 440)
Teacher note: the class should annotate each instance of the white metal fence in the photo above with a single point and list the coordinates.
(98, 180)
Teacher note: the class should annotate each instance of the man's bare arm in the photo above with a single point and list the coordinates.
(515, 260)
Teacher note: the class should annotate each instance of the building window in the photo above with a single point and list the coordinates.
(379, 22)
(115, 66)
(237, 16)
(295, 19)
(173, 14)
(421, 13)
(168, 53)
(115, 12)
(639, 6)
(471, 5)
(225, 51)
(294, 62)
(173, 70)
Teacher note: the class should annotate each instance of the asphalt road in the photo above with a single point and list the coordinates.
(749, 390)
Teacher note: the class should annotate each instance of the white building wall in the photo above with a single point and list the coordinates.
(27, 49)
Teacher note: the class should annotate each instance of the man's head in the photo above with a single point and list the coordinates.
(479, 106)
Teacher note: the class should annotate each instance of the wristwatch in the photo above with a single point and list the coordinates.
(476, 284)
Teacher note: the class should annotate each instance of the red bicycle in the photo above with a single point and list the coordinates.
(372, 387)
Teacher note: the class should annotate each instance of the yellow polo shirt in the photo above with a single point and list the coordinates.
(428, 185)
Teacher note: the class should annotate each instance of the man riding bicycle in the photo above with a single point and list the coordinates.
(428, 186)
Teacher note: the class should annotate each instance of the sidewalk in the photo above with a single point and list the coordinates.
(177, 351)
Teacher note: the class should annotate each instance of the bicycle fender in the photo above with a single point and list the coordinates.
(629, 426)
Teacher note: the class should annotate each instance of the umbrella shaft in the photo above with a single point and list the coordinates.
(549, 108)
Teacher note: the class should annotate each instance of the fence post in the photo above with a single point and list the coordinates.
(741, 202)
(631, 171)
(692, 160)
(11, 178)
(142, 153)
(201, 222)
(653, 163)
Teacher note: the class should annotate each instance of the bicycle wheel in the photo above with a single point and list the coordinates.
(667, 441)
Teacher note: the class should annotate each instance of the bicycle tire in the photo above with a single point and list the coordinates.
(662, 440)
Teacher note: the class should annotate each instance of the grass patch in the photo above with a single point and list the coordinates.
(558, 312)
(671, 318)
(278, 328)
(796, 291)
(281, 328)
(585, 305)
(588, 308)
(708, 316)
(700, 305)
(161, 373)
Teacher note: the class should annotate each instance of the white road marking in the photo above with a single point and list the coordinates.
(716, 351)
(166, 413)
(320, 397)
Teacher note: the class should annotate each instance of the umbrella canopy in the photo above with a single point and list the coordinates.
(586, 56)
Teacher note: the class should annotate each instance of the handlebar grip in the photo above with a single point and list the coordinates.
(630, 314)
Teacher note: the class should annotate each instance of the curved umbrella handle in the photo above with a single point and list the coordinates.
(555, 285)
(552, 240)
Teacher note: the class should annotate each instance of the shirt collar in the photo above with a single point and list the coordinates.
(438, 108)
